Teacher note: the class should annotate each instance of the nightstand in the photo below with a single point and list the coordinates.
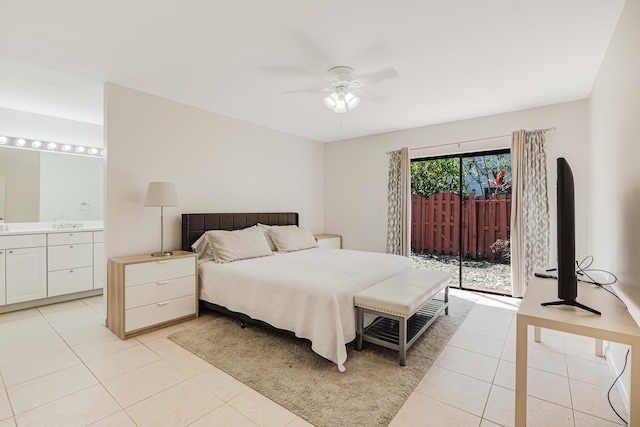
(147, 292)
(333, 241)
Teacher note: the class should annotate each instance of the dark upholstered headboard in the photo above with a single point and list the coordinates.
(195, 224)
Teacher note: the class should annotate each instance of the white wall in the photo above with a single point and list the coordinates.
(356, 170)
(219, 164)
(614, 117)
(52, 129)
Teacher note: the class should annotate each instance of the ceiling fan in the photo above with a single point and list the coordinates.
(344, 87)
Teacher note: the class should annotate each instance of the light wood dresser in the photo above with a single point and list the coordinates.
(147, 293)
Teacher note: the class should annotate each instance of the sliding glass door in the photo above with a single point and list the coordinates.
(461, 212)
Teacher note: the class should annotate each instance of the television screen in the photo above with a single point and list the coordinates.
(567, 279)
(566, 239)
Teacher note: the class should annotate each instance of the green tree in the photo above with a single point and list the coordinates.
(483, 169)
(436, 176)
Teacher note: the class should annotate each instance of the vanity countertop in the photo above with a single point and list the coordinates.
(49, 227)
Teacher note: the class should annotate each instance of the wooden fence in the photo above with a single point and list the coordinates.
(435, 224)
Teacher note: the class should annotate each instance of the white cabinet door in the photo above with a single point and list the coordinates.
(26, 274)
(3, 292)
(99, 266)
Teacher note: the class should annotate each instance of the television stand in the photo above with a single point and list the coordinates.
(573, 303)
(615, 324)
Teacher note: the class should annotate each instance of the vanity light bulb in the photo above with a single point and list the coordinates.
(3, 139)
(102, 152)
(36, 144)
(20, 142)
(79, 149)
(93, 151)
(52, 145)
(66, 147)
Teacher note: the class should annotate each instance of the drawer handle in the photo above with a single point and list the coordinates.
(164, 303)
(70, 271)
(70, 246)
(162, 283)
(161, 262)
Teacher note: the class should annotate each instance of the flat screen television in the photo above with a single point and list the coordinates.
(566, 239)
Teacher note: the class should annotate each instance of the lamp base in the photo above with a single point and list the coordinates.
(166, 253)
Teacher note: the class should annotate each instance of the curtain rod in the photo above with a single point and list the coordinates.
(472, 140)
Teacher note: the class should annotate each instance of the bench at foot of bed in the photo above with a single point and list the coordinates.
(406, 307)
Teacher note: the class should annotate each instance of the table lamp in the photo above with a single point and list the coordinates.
(161, 194)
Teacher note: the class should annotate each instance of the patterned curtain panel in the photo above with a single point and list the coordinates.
(399, 201)
(529, 208)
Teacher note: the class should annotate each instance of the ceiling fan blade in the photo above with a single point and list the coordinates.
(315, 90)
(378, 76)
(310, 71)
(314, 49)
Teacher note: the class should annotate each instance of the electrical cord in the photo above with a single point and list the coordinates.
(585, 270)
(626, 359)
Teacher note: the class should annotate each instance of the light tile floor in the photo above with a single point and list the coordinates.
(60, 367)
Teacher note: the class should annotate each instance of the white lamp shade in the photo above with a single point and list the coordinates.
(161, 194)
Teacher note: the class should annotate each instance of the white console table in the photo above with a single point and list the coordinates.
(615, 324)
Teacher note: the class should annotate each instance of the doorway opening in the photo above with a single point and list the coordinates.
(460, 218)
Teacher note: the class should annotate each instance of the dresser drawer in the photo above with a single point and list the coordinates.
(136, 296)
(69, 256)
(154, 271)
(70, 238)
(152, 314)
(69, 281)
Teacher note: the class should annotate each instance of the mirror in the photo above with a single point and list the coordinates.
(42, 187)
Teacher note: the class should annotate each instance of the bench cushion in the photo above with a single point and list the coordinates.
(404, 293)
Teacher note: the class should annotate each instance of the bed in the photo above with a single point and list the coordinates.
(308, 292)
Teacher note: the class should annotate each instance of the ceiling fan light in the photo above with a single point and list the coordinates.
(330, 101)
(351, 100)
(341, 106)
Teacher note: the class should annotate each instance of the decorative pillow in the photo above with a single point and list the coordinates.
(203, 249)
(265, 229)
(289, 238)
(235, 245)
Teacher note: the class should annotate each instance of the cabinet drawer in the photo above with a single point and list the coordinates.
(149, 315)
(70, 256)
(69, 281)
(23, 241)
(136, 296)
(329, 242)
(70, 238)
(154, 271)
(98, 236)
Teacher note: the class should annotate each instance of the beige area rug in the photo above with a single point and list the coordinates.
(287, 371)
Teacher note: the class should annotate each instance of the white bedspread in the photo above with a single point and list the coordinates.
(309, 292)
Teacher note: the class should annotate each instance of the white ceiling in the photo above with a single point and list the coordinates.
(456, 59)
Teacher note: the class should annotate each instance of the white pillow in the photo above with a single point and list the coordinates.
(235, 245)
(289, 238)
(265, 229)
(203, 249)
